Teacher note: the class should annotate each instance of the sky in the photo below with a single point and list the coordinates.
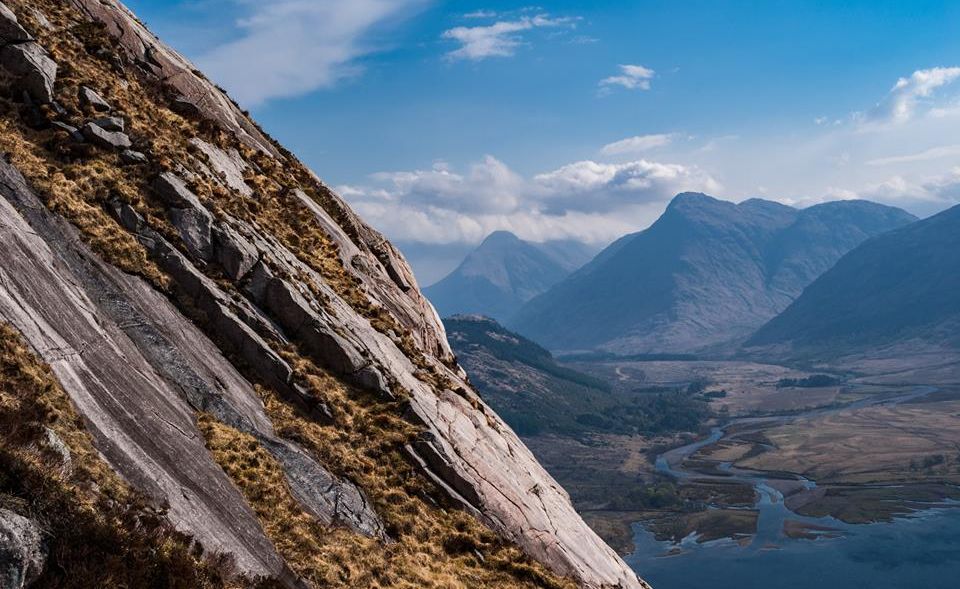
(441, 122)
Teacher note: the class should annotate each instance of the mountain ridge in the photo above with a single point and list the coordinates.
(897, 286)
(707, 273)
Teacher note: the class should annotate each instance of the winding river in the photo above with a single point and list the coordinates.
(920, 551)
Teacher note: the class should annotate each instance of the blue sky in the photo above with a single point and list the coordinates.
(443, 121)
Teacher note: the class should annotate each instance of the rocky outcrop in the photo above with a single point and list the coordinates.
(22, 555)
(137, 370)
(26, 61)
(194, 93)
(140, 363)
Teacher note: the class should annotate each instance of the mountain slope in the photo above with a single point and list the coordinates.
(708, 272)
(520, 379)
(503, 273)
(537, 395)
(214, 373)
(896, 287)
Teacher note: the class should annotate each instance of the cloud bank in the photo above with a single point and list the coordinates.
(593, 202)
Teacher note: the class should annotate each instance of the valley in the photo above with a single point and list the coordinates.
(774, 465)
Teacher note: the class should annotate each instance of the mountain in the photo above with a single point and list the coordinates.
(213, 373)
(503, 273)
(707, 273)
(900, 287)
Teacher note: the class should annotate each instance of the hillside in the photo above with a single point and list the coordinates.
(707, 273)
(899, 287)
(537, 395)
(212, 372)
(503, 273)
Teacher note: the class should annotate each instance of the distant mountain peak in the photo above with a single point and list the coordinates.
(707, 273)
(504, 272)
(500, 237)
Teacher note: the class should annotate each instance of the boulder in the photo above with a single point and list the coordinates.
(90, 98)
(10, 29)
(70, 130)
(107, 139)
(32, 69)
(22, 554)
(131, 157)
(110, 123)
(174, 191)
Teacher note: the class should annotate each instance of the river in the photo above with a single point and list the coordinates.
(921, 551)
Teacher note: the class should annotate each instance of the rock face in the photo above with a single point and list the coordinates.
(21, 551)
(704, 277)
(503, 273)
(235, 308)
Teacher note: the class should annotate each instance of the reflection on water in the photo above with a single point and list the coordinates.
(920, 552)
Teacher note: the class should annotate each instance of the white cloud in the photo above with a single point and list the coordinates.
(910, 93)
(933, 153)
(638, 144)
(632, 77)
(291, 47)
(589, 201)
(926, 195)
(480, 14)
(500, 39)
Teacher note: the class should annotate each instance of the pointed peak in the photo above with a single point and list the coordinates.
(500, 237)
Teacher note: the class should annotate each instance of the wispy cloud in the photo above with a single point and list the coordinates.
(927, 195)
(631, 77)
(291, 47)
(585, 200)
(500, 39)
(933, 153)
(481, 14)
(909, 93)
(638, 144)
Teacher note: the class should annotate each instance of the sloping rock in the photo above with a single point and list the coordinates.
(110, 123)
(22, 557)
(195, 94)
(70, 130)
(91, 98)
(227, 163)
(138, 370)
(32, 69)
(107, 139)
(10, 29)
(131, 157)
